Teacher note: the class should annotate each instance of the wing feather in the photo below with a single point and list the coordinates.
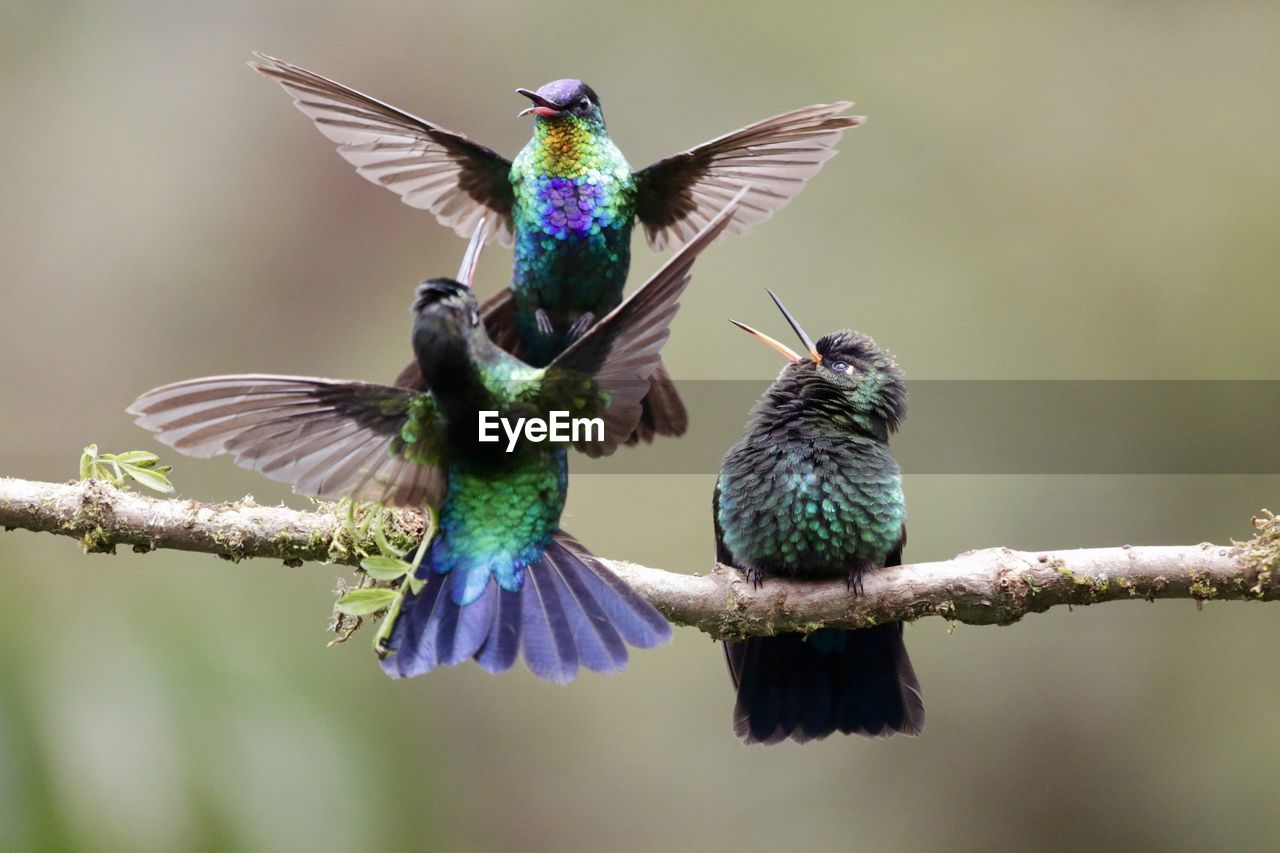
(617, 357)
(396, 150)
(325, 437)
(773, 157)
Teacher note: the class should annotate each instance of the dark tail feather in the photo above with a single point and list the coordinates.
(807, 687)
(578, 613)
(413, 650)
(465, 629)
(433, 631)
(662, 412)
(503, 643)
(549, 649)
(600, 647)
(570, 612)
(639, 623)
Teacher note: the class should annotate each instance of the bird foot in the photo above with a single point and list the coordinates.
(580, 326)
(544, 322)
(854, 582)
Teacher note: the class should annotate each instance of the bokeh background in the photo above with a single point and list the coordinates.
(1043, 190)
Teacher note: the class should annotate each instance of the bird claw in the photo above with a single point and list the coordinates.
(580, 326)
(544, 322)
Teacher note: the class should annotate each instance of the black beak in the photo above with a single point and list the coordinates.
(541, 106)
(804, 339)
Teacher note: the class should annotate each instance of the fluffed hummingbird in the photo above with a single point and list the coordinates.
(811, 491)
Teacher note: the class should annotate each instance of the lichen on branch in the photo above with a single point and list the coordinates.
(994, 586)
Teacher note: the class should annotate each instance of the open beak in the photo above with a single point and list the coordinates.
(787, 352)
(804, 339)
(541, 106)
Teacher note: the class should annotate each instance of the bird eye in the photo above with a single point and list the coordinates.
(840, 366)
(474, 317)
(584, 104)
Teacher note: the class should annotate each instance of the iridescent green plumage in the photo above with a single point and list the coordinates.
(799, 515)
(811, 491)
(498, 526)
(500, 576)
(574, 204)
(569, 201)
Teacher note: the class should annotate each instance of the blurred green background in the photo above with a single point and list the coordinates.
(1042, 190)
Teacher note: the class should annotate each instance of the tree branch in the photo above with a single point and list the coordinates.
(994, 586)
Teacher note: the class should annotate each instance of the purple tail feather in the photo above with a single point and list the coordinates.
(570, 612)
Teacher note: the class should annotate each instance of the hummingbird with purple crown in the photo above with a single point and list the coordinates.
(568, 201)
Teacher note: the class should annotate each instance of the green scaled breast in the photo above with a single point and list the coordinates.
(573, 214)
(814, 508)
(497, 524)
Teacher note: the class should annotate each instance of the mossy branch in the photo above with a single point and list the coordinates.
(994, 586)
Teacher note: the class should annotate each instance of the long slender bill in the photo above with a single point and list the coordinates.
(467, 271)
(804, 338)
(786, 351)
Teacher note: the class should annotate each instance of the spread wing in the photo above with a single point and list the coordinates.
(325, 437)
(428, 166)
(605, 373)
(774, 158)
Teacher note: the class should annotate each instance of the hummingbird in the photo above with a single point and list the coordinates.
(569, 199)
(501, 576)
(811, 491)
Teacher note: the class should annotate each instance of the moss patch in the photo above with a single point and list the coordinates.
(1261, 555)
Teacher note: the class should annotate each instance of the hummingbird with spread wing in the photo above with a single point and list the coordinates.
(811, 491)
(501, 577)
(569, 199)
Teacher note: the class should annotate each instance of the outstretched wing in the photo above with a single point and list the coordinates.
(428, 166)
(774, 157)
(605, 373)
(326, 438)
